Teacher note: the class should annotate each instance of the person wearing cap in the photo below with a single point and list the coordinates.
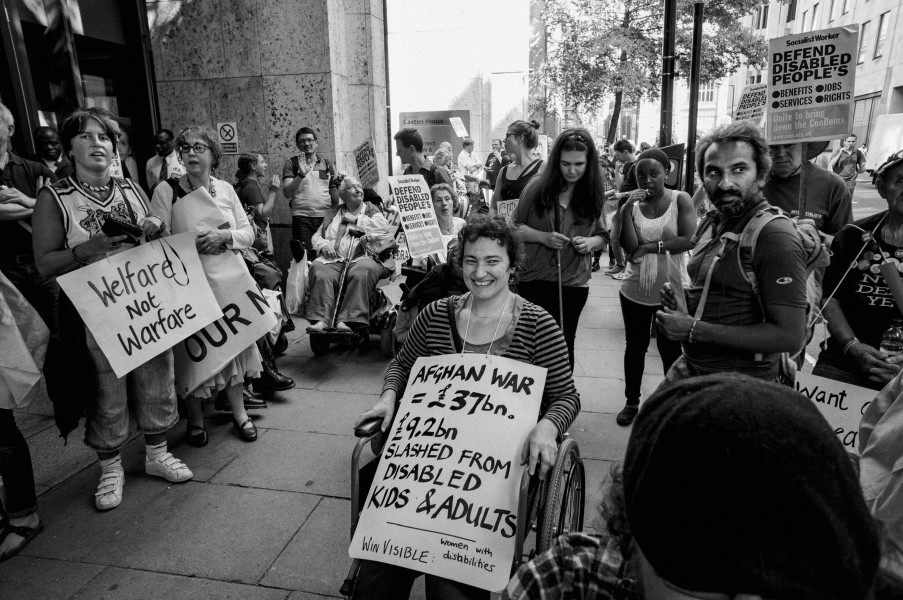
(827, 198)
(860, 305)
(731, 487)
(727, 325)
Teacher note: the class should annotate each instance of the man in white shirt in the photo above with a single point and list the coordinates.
(49, 151)
(467, 162)
(166, 163)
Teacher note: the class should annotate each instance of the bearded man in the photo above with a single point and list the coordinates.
(728, 326)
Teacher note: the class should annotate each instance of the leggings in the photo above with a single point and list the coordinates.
(638, 321)
(15, 468)
(545, 295)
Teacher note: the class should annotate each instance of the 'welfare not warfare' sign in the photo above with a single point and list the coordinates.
(810, 85)
(444, 498)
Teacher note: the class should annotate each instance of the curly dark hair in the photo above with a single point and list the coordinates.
(495, 228)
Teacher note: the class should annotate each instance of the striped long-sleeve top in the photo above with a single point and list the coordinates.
(537, 340)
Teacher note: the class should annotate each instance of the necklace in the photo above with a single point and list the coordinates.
(497, 325)
(98, 191)
(211, 188)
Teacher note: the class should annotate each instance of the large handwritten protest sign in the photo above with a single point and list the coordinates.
(842, 405)
(752, 102)
(810, 85)
(418, 218)
(142, 301)
(367, 169)
(444, 499)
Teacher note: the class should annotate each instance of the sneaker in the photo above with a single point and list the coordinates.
(109, 490)
(627, 414)
(615, 270)
(620, 276)
(169, 468)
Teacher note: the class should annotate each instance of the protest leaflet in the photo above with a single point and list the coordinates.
(367, 169)
(444, 498)
(143, 301)
(810, 85)
(752, 103)
(841, 404)
(412, 196)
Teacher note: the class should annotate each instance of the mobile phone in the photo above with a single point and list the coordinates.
(115, 226)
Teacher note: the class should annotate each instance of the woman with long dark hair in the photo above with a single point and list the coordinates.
(559, 220)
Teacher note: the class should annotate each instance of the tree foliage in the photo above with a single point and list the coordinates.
(603, 49)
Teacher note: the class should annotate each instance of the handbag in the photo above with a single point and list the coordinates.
(296, 286)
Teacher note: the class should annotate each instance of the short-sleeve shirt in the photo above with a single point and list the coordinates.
(249, 195)
(847, 166)
(28, 177)
(628, 177)
(827, 197)
(539, 262)
(863, 295)
(433, 174)
(779, 262)
(312, 197)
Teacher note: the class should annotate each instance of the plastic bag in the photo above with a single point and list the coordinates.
(25, 340)
(296, 286)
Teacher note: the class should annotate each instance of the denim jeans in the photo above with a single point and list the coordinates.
(380, 581)
(638, 323)
(545, 295)
(15, 468)
(303, 229)
(151, 389)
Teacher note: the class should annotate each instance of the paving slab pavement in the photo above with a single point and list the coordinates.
(267, 520)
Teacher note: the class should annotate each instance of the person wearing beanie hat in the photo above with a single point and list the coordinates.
(732, 487)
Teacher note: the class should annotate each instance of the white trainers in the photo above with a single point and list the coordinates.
(109, 490)
(169, 468)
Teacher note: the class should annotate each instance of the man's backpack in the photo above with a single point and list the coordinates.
(818, 256)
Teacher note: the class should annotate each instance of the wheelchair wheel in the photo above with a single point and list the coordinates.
(564, 497)
(387, 338)
(319, 344)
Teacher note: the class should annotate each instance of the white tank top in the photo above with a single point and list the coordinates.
(84, 214)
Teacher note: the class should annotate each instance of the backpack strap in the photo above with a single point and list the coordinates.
(177, 191)
(747, 242)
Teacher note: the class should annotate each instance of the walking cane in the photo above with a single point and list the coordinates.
(338, 296)
(558, 263)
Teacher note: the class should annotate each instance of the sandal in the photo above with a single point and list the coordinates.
(26, 533)
(249, 433)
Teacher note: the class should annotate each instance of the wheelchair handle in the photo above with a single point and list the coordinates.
(368, 428)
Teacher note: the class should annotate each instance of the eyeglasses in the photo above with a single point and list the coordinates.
(198, 148)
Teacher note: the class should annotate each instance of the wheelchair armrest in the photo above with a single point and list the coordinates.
(368, 428)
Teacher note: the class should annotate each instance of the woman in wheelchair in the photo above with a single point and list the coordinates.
(341, 244)
(449, 225)
(489, 319)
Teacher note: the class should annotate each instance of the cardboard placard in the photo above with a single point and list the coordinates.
(752, 103)
(411, 195)
(842, 405)
(458, 124)
(367, 168)
(444, 499)
(142, 301)
(810, 85)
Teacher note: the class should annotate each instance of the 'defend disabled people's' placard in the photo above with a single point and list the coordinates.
(444, 498)
(810, 85)
(142, 301)
(418, 218)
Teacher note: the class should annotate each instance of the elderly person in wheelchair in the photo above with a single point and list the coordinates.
(488, 319)
(347, 245)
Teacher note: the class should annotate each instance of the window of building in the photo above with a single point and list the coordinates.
(791, 10)
(803, 21)
(863, 42)
(882, 35)
(753, 77)
(762, 16)
(813, 24)
(831, 11)
(865, 114)
(707, 94)
(846, 7)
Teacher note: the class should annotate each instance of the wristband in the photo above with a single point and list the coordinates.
(661, 247)
(850, 344)
(75, 256)
(690, 333)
